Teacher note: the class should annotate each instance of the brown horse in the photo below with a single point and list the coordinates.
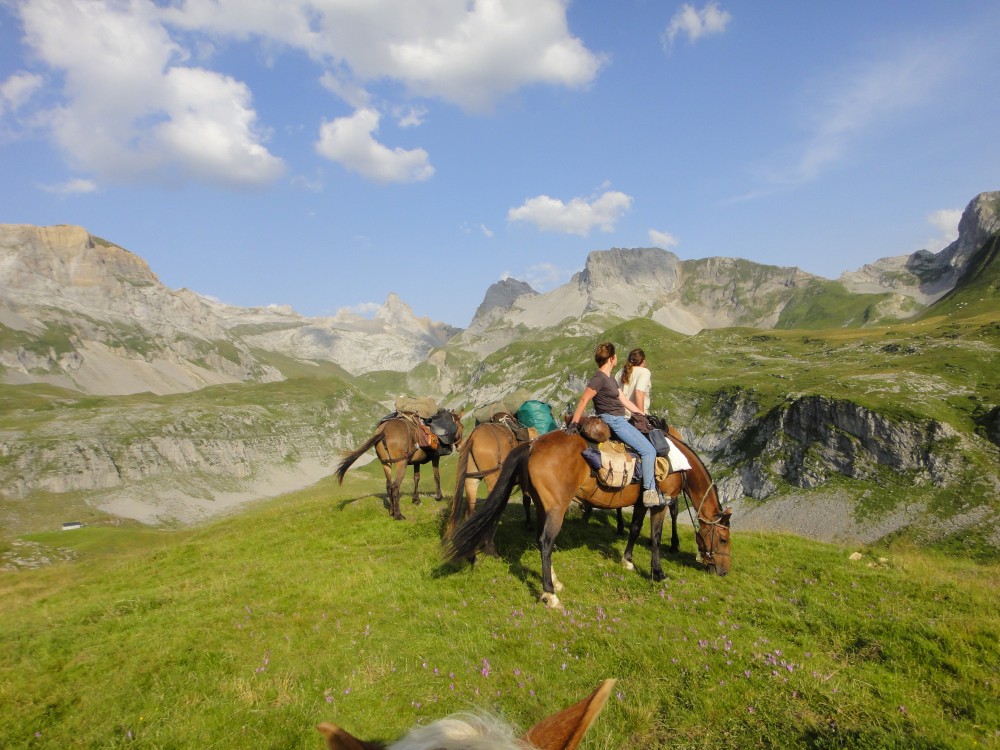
(554, 473)
(480, 459)
(482, 454)
(397, 446)
(562, 730)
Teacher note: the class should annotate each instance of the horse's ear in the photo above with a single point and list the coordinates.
(341, 739)
(564, 730)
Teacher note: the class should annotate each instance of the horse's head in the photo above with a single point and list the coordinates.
(562, 730)
(713, 541)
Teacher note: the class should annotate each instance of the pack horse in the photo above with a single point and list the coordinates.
(405, 439)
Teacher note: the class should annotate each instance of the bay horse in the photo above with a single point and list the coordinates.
(397, 446)
(562, 730)
(554, 473)
(479, 460)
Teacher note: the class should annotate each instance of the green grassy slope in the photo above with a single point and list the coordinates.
(318, 607)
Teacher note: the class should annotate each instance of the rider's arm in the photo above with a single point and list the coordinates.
(588, 394)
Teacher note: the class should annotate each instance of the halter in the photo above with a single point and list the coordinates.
(708, 554)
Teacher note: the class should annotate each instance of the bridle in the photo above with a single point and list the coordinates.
(708, 553)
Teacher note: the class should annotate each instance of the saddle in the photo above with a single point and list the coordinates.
(425, 435)
(522, 434)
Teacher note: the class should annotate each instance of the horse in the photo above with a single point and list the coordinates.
(480, 459)
(553, 472)
(562, 730)
(397, 446)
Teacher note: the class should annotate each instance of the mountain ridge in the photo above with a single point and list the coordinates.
(81, 312)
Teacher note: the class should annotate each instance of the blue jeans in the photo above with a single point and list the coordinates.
(638, 442)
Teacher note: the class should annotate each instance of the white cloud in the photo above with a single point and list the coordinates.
(695, 24)
(663, 240)
(349, 142)
(467, 53)
(131, 104)
(363, 309)
(487, 232)
(946, 222)
(579, 216)
(72, 187)
(859, 102)
(17, 90)
(131, 109)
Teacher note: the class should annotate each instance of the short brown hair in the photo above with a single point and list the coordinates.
(603, 353)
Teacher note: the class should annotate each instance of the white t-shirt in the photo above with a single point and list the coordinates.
(639, 380)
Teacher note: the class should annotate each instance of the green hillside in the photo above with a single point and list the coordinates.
(317, 607)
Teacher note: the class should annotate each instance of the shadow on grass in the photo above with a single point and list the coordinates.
(597, 531)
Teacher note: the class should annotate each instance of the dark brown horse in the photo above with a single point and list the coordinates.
(397, 446)
(553, 472)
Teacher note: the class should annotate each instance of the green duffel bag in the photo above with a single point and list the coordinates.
(537, 414)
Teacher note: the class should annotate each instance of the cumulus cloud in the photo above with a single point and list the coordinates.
(132, 103)
(131, 110)
(579, 216)
(694, 23)
(349, 142)
(663, 240)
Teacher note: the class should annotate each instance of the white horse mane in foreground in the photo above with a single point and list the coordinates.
(560, 731)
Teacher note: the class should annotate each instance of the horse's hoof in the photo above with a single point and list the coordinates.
(551, 601)
(399, 517)
(659, 575)
(627, 564)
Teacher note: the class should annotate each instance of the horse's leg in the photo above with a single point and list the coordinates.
(547, 539)
(675, 543)
(656, 517)
(397, 487)
(416, 484)
(638, 516)
(437, 477)
(526, 499)
(621, 522)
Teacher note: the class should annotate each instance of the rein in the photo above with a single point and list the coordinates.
(708, 554)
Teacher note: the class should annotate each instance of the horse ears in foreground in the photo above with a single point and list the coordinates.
(560, 731)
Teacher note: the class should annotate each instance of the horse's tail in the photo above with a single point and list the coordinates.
(467, 538)
(350, 458)
(458, 505)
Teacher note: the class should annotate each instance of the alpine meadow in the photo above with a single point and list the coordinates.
(180, 568)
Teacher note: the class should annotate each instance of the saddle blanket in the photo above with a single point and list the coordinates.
(678, 461)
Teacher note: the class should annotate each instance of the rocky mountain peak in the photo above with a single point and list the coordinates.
(646, 266)
(500, 296)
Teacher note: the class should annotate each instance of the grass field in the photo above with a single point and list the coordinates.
(316, 606)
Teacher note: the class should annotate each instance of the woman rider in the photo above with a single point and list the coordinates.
(611, 405)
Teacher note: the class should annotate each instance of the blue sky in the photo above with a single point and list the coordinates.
(325, 153)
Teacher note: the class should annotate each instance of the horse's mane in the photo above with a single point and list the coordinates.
(462, 732)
